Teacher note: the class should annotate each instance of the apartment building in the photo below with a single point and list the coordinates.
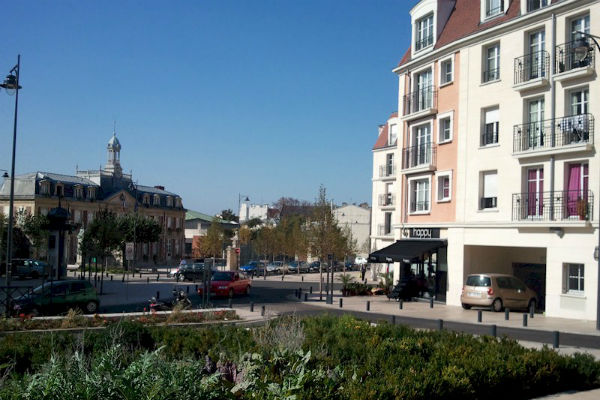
(521, 162)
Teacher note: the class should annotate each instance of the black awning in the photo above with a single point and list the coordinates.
(406, 250)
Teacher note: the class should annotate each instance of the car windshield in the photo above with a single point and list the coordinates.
(479, 280)
(222, 276)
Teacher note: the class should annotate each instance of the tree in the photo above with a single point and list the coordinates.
(35, 228)
(228, 215)
(212, 243)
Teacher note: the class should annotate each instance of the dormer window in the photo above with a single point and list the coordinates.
(146, 199)
(493, 8)
(44, 187)
(533, 5)
(424, 32)
(156, 200)
(78, 191)
(178, 202)
(59, 190)
(91, 193)
(169, 201)
(393, 134)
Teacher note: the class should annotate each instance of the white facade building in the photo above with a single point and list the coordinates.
(358, 220)
(251, 211)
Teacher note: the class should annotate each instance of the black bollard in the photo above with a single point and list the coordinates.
(262, 311)
(140, 275)
(187, 290)
(302, 278)
(440, 324)
(157, 295)
(157, 277)
(431, 302)
(368, 305)
(524, 319)
(305, 296)
(506, 314)
(531, 311)
(251, 306)
(493, 330)
(320, 296)
(341, 303)
(123, 278)
(555, 339)
(296, 293)
(479, 315)
(282, 278)
(300, 290)
(400, 304)
(311, 290)
(147, 280)
(111, 277)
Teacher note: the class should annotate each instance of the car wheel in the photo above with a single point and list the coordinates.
(497, 305)
(91, 307)
(231, 293)
(247, 292)
(532, 304)
(466, 306)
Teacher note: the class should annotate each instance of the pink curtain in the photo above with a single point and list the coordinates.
(574, 189)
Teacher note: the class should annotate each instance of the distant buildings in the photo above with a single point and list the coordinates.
(196, 227)
(357, 219)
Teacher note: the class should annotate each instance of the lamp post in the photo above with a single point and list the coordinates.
(11, 84)
(581, 50)
(246, 199)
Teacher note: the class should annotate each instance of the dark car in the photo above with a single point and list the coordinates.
(58, 297)
(194, 272)
(23, 268)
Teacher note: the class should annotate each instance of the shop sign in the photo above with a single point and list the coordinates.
(424, 233)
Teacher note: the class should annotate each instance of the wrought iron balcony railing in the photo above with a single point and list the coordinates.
(568, 59)
(426, 41)
(386, 200)
(532, 66)
(387, 170)
(491, 75)
(566, 205)
(420, 100)
(574, 129)
(419, 206)
(419, 156)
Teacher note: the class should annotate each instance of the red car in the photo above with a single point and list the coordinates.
(228, 284)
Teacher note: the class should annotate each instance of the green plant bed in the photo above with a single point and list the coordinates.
(75, 319)
(314, 358)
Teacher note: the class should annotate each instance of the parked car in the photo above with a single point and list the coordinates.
(497, 291)
(253, 267)
(293, 266)
(57, 297)
(194, 272)
(23, 268)
(274, 267)
(228, 284)
(314, 266)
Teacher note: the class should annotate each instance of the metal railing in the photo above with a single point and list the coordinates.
(386, 200)
(383, 230)
(532, 66)
(421, 44)
(420, 100)
(419, 206)
(491, 75)
(387, 170)
(570, 130)
(563, 205)
(533, 5)
(490, 134)
(567, 59)
(419, 156)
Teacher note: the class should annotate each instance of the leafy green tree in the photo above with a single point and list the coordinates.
(35, 228)
(228, 215)
(139, 229)
(212, 244)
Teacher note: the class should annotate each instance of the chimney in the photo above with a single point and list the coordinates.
(159, 187)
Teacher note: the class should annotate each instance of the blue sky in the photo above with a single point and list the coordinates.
(267, 98)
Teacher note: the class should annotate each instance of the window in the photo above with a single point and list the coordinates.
(445, 128)
(156, 200)
(146, 199)
(421, 151)
(419, 195)
(444, 186)
(493, 8)
(423, 91)
(387, 227)
(59, 190)
(424, 34)
(91, 193)
(389, 164)
(581, 24)
(169, 201)
(78, 191)
(491, 126)
(579, 101)
(577, 186)
(489, 190)
(491, 70)
(393, 134)
(446, 71)
(574, 278)
(44, 187)
(533, 5)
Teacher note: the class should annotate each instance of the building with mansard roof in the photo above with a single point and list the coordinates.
(87, 192)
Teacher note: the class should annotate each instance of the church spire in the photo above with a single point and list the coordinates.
(114, 154)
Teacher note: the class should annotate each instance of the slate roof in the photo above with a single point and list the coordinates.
(153, 190)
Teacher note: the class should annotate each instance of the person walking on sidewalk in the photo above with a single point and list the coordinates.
(363, 271)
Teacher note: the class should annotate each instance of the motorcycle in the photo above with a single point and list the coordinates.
(180, 299)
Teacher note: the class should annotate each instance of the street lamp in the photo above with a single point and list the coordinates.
(246, 199)
(11, 84)
(581, 50)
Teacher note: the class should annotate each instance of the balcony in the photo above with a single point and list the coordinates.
(384, 230)
(565, 206)
(420, 103)
(532, 70)
(572, 133)
(533, 5)
(387, 171)
(571, 64)
(419, 158)
(387, 200)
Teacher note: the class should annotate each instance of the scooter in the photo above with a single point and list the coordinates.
(180, 298)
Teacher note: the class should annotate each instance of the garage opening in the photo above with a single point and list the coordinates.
(525, 263)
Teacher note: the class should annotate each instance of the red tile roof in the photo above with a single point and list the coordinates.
(382, 139)
(465, 20)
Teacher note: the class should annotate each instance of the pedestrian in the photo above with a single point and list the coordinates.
(363, 271)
